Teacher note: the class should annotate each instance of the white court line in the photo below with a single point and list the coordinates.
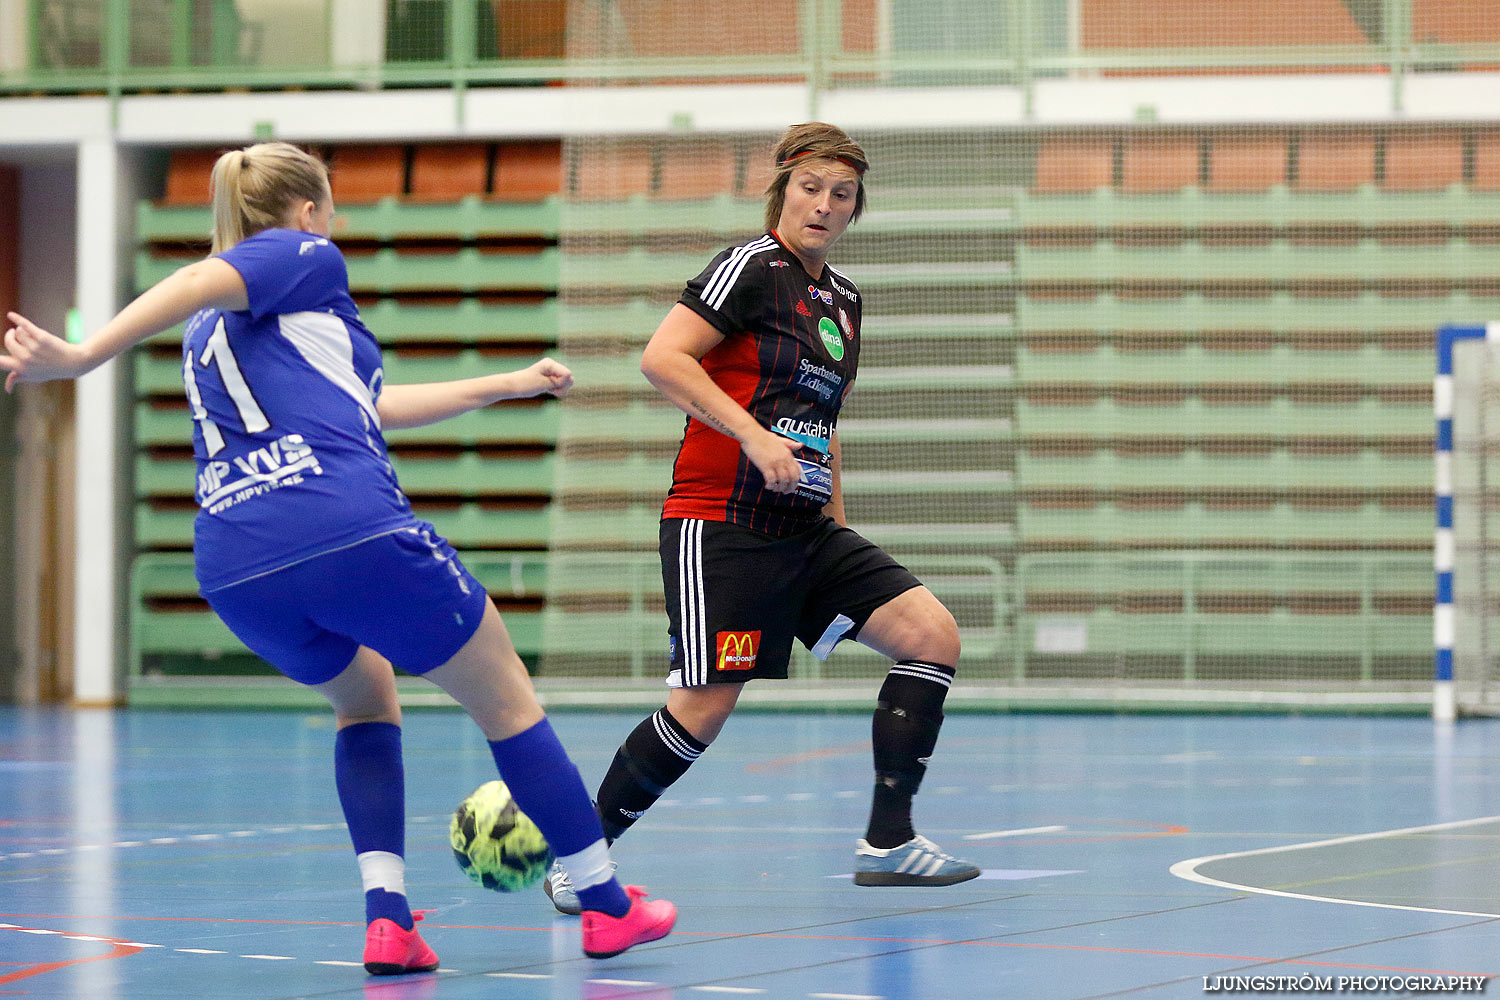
(997, 834)
(1192, 757)
(727, 990)
(1189, 869)
(515, 975)
(165, 841)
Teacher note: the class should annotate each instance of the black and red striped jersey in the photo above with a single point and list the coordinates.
(789, 354)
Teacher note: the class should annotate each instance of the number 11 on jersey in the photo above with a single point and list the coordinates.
(217, 350)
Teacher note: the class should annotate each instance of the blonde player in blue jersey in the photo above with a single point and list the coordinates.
(307, 548)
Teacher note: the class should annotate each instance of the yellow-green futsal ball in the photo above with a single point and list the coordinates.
(497, 844)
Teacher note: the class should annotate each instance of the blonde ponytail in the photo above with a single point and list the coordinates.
(254, 188)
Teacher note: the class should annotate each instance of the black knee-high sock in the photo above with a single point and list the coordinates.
(908, 715)
(655, 754)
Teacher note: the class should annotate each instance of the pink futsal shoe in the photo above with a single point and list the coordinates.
(605, 936)
(391, 951)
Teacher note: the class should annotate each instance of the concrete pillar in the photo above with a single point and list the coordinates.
(358, 35)
(98, 633)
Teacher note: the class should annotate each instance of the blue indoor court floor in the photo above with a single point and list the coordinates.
(202, 854)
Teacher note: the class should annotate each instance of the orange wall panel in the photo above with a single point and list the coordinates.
(527, 171)
(360, 174)
(618, 170)
(686, 28)
(1126, 24)
(188, 171)
(1239, 163)
(1159, 163)
(697, 170)
(449, 171)
(1074, 165)
(1335, 160)
(1455, 21)
(1424, 161)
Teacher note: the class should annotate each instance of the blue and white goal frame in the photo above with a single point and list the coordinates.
(1444, 547)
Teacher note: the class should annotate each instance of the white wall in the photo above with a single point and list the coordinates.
(293, 32)
(13, 34)
(98, 419)
(358, 33)
(109, 183)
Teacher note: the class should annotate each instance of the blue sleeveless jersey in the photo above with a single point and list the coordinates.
(291, 461)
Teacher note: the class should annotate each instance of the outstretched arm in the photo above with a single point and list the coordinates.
(34, 355)
(428, 402)
(673, 364)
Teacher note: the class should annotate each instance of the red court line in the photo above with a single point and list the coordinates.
(802, 758)
(1106, 837)
(120, 950)
(1167, 830)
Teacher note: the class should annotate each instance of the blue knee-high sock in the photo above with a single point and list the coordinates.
(372, 789)
(548, 788)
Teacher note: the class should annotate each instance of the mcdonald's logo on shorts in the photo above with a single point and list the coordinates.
(737, 650)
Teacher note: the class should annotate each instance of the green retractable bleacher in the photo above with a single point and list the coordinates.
(456, 276)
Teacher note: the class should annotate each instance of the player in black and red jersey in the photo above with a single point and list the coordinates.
(760, 352)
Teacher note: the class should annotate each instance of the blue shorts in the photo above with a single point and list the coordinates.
(404, 595)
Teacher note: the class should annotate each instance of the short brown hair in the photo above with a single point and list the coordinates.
(254, 187)
(818, 141)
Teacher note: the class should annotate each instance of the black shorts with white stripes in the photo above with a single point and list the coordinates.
(736, 598)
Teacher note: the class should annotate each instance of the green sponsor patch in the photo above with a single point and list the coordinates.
(832, 339)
